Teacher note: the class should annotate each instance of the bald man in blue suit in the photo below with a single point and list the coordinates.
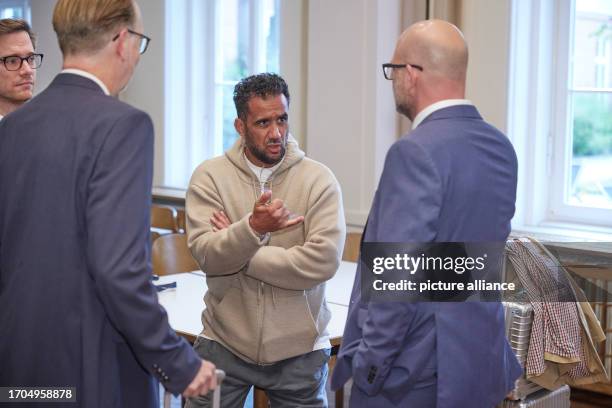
(452, 179)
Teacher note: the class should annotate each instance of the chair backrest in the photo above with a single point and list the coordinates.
(154, 236)
(164, 216)
(170, 254)
(180, 220)
(351, 247)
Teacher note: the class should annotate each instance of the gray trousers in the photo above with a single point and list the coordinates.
(295, 382)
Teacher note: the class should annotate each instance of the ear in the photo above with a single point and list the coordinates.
(121, 47)
(408, 80)
(239, 126)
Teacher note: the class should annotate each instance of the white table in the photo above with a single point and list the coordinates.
(338, 290)
(185, 303)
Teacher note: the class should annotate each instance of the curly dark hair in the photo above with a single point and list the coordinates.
(262, 85)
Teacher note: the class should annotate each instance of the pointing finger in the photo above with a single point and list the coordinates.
(293, 221)
(264, 198)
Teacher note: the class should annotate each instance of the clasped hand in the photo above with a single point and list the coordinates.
(270, 216)
(267, 216)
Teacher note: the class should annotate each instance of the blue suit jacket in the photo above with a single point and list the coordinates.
(77, 307)
(452, 179)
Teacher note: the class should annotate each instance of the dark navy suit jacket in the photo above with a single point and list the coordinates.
(77, 307)
(452, 179)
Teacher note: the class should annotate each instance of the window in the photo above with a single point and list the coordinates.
(589, 106)
(561, 110)
(15, 9)
(210, 46)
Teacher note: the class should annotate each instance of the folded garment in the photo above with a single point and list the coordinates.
(564, 333)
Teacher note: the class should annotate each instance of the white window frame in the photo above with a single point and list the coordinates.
(191, 104)
(539, 119)
(562, 126)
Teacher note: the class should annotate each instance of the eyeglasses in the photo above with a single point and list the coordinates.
(14, 62)
(144, 40)
(388, 69)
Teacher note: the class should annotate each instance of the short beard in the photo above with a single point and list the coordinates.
(401, 108)
(260, 154)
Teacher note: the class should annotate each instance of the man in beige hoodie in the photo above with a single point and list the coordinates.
(266, 225)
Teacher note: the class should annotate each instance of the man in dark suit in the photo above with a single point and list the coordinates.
(77, 307)
(452, 179)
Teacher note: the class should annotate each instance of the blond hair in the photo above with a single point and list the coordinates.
(85, 26)
(11, 25)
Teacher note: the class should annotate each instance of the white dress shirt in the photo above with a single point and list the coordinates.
(262, 173)
(87, 75)
(420, 117)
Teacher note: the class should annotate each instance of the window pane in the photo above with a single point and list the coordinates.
(591, 173)
(594, 6)
(237, 48)
(592, 56)
(234, 33)
(11, 12)
(271, 32)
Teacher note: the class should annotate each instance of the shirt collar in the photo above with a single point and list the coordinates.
(263, 173)
(87, 75)
(420, 117)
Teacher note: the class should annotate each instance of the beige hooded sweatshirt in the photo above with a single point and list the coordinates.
(265, 301)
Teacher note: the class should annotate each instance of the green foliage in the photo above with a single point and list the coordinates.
(605, 30)
(592, 127)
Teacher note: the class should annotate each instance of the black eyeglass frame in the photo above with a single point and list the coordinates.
(3, 59)
(146, 39)
(394, 66)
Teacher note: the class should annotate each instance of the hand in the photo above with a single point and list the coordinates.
(271, 216)
(219, 221)
(204, 381)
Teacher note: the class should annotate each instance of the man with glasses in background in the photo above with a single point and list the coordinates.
(77, 305)
(18, 64)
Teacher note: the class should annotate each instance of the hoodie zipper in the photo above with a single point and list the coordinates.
(261, 303)
(262, 307)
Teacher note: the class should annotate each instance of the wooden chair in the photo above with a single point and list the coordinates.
(154, 236)
(181, 222)
(351, 247)
(164, 217)
(170, 254)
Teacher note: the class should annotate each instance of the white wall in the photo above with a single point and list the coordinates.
(146, 89)
(42, 12)
(351, 117)
(486, 26)
(293, 62)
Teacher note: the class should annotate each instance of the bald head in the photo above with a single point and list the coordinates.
(433, 58)
(436, 45)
